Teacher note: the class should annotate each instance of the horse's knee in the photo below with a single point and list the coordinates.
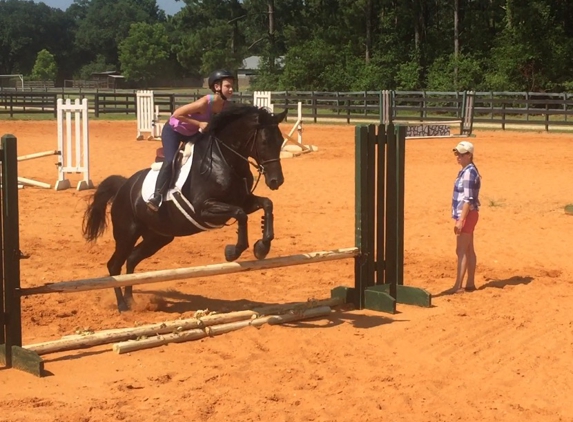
(241, 216)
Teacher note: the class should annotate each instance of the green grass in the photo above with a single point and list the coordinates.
(45, 117)
(30, 116)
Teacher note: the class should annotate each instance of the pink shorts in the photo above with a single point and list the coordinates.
(471, 221)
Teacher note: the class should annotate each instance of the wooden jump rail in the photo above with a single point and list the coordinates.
(188, 273)
(37, 155)
(31, 182)
(378, 253)
(160, 333)
(428, 122)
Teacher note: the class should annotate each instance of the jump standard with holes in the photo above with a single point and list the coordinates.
(378, 256)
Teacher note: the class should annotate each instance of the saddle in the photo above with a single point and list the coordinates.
(181, 158)
(181, 170)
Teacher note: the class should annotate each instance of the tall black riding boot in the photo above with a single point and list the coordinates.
(161, 187)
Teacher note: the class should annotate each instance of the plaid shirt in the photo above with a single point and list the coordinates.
(466, 189)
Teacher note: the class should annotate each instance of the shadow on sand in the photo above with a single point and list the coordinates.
(495, 284)
(173, 301)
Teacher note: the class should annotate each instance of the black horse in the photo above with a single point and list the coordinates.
(218, 189)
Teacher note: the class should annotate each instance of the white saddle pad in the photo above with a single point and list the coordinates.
(148, 187)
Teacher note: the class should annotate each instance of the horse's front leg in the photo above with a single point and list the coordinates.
(219, 210)
(262, 246)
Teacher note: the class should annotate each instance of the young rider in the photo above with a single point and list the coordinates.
(186, 124)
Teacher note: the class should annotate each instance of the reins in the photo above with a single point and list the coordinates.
(260, 167)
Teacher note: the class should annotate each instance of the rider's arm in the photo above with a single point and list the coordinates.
(196, 107)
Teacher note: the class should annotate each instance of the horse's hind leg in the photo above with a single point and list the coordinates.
(125, 236)
(114, 266)
(151, 243)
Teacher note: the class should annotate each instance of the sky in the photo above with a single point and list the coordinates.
(170, 6)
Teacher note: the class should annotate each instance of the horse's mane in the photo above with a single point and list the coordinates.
(232, 112)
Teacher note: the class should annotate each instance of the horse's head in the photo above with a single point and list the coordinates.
(267, 147)
(253, 132)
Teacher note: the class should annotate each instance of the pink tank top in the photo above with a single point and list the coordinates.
(188, 129)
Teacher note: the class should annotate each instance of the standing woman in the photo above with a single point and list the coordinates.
(465, 212)
(185, 125)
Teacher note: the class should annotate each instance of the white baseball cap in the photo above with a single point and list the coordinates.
(464, 147)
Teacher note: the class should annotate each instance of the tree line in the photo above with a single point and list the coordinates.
(321, 45)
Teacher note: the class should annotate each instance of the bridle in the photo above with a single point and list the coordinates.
(260, 166)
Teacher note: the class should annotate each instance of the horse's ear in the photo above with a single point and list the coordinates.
(280, 117)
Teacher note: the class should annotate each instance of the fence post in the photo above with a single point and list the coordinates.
(380, 107)
(392, 188)
(314, 105)
(347, 102)
(464, 109)
(394, 108)
(7, 360)
(382, 142)
(11, 250)
(546, 117)
(12, 355)
(365, 138)
(55, 105)
(502, 116)
(96, 104)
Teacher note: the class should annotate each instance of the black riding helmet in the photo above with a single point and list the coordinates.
(217, 76)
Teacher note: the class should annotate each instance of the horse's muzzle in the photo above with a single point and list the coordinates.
(274, 182)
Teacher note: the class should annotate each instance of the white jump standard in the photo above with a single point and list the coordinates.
(147, 117)
(73, 145)
(441, 128)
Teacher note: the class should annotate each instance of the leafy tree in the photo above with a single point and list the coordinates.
(99, 64)
(317, 66)
(533, 51)
(442, 74)
(45, 68)
(25, 29)
(408, 75)
(145, 52)
(103, 24)
(306, 44)
(209, 36)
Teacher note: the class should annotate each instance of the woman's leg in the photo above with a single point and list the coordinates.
(463, 241)
(471, 260)
(170, 141)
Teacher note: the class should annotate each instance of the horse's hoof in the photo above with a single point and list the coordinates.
(232, 253)
(122, 307)
(261, 249)
(130, 302)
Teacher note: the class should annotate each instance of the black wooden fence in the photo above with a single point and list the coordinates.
(500, 109)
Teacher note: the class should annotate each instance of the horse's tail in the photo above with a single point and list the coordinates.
(95, 221)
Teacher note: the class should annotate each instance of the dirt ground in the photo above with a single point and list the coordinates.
(501, 353)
